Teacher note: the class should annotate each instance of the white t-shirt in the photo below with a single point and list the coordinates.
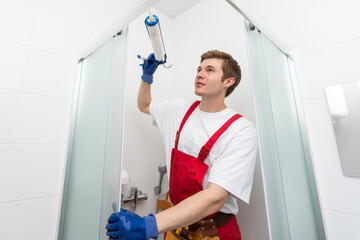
(232, 159)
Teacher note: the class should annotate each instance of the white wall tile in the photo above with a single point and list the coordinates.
(32, 172)
(69, 27)
(328, 66)
(258, 187)
(320, 129)
(148, 170)
(5, 153)
(129, 163)
(9, 102)
(42, 119)
(242, 94)
(252, 219)
(248, 113)
(55, 31)
(49, 74)
(338, 192)
(16, 22)
(32, 220)
(146, 160)
(139, 130)
(12, 61)
(342, 226)
(323, 24)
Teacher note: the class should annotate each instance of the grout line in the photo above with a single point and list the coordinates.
(34, 144)
(315, 98)
(30, 199)
(14, 42)
(38, 94)
(45, 95)
(344, 213)
(328, 45)
(74, 57)
(150, 146)
(324, 151)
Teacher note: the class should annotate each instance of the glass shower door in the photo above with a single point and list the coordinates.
(290, 189)
(92, 181)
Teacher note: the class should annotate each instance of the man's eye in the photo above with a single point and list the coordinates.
(210, 70)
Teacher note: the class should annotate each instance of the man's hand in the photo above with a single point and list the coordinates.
(149, 67)
(130, 226)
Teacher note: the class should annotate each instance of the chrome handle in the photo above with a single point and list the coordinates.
(136, 195)
(162, 170)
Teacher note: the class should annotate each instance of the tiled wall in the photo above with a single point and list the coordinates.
(36, 87)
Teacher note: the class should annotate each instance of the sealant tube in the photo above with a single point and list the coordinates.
(154, 31)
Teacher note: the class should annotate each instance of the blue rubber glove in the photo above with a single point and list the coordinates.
(149, 67)
(130, 226)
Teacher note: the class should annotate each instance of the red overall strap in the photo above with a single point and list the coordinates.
(204, 152)
(187, 115)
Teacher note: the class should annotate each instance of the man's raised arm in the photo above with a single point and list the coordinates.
(144, 95)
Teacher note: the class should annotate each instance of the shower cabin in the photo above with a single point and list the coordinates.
(109, 134)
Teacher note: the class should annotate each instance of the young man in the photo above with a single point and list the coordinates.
(210, 150)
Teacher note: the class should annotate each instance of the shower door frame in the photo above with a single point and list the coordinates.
(114, 132)
(284, 230)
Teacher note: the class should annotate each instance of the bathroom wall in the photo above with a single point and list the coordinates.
(39, 43)
(326, 47)
(186, 37)
(36, 88)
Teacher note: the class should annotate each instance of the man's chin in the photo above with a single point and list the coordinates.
(198, 94)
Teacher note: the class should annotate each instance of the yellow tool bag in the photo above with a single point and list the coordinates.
(205, 229)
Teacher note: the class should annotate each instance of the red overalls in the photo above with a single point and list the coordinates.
(187, 173)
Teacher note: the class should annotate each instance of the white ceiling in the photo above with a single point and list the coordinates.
(172, 8)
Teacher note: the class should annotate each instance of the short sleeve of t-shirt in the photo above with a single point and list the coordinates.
(234, 167)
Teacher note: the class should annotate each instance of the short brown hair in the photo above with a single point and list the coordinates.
(230, 67)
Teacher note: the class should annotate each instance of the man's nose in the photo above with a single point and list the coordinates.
(199, 74)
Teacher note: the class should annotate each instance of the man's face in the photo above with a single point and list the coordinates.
(208, 82)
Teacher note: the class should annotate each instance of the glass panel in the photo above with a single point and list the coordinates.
(290, 188)
(111, 196)
(92, 181)
(274, 192)
(291, 153)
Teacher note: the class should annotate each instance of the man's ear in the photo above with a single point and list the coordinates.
(229, 81)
